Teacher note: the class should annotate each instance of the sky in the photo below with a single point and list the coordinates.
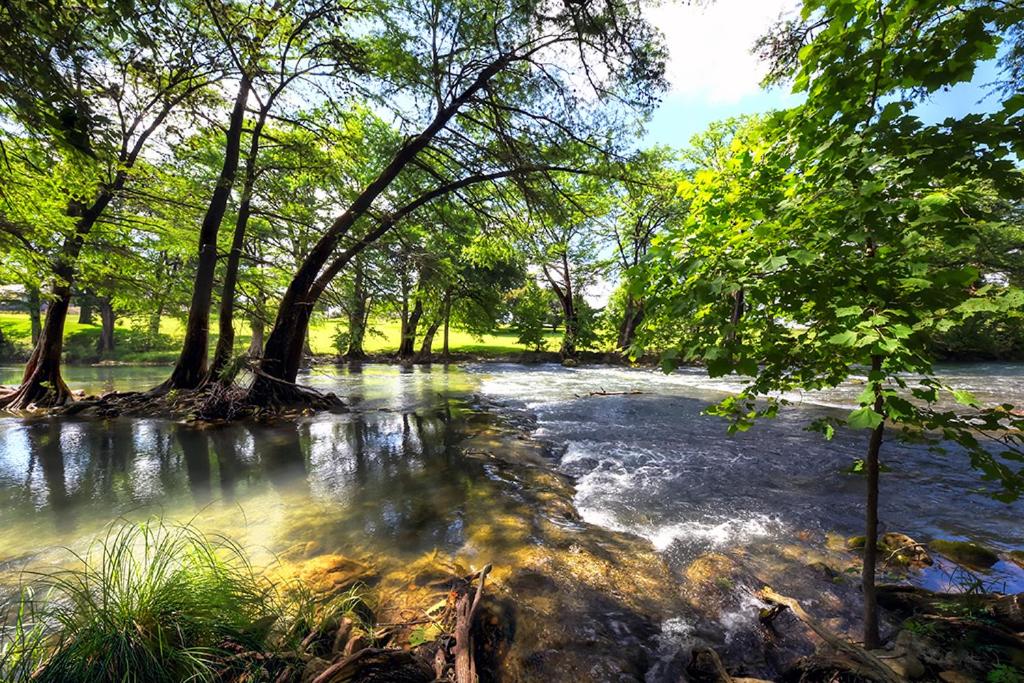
(713, 75)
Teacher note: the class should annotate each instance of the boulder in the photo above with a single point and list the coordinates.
(965, 552)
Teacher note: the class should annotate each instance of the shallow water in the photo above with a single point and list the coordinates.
(393, 477)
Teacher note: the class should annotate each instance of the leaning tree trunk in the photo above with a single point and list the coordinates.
(42, 384)
(426, 347)
(190, 369)
(871, 637)
(408, 345)
(105, 344)
(280, 364)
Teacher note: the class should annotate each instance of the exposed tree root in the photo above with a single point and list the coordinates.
(868, 665)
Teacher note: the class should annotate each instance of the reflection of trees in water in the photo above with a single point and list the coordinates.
(396, 478)
(45, 447)
(195, 451)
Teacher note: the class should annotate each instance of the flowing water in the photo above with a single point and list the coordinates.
(410, 468)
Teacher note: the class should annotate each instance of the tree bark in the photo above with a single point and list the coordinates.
(427, 346)
(257, 325)
(226, 329)
(358, 315)
(105, 344)
(447, 322)
(871, 636)
(190, 369)
(84, 309)
(631, 320)
(35, 313)
(408, 345)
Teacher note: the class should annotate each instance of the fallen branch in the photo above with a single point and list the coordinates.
(873, 666)
(465, 611)
(602, 392)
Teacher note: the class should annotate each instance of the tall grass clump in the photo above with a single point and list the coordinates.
(146, 602)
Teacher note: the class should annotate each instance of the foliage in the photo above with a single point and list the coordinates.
(150, 602)
(531, 307)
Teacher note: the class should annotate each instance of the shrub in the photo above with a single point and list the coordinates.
(148, 602)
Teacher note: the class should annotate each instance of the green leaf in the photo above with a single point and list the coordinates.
(864, 418)
(847, 338)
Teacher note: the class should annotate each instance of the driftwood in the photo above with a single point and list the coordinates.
(1007, 610)
(602, 392)
(465, 611)
(870, 665)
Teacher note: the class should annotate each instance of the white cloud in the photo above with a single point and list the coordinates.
(709, 45)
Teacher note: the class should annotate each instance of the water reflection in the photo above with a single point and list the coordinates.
(384, 479)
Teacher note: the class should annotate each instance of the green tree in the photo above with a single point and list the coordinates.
(818, 249)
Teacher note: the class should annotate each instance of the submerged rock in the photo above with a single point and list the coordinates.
(905, 550)
(965, 552)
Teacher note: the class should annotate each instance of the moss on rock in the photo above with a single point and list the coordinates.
(965, 552)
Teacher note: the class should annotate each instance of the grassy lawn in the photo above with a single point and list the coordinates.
(133, 345)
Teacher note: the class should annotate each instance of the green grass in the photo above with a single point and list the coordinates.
(133, 345)
(149, 602)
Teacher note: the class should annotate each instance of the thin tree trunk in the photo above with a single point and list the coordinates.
(226, 338)
(105, 344)
(407, 348)
(256, 343)
(358, 315)
(190, 369)
(631, 320)
(447, 321)
(155, 317)
(35, 316)
(871, 636)
(427, 346)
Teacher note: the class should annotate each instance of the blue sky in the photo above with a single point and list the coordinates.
(713, 75)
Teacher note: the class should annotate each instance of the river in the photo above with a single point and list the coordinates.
(416, 466)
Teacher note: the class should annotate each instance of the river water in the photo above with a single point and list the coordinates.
(397, 474)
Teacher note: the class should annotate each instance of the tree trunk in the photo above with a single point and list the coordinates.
(105, 344)
(84, 309)
(190, 370)
(631, 320)
(42, 384)
(283, 351)
(426, 348)
(871, 637)
(35, 307)
(447, 322)
(154, 319)
(256, 343)
(358, 315)
(408, 346)
(226, 338)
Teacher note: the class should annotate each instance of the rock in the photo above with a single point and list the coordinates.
(314, 668)
(906, 666)
(334, 573)
(570, 363)
(965, 552)
(822, 569)
(709, 568)
(905, 550)
(954, 677)
(1017, 557)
